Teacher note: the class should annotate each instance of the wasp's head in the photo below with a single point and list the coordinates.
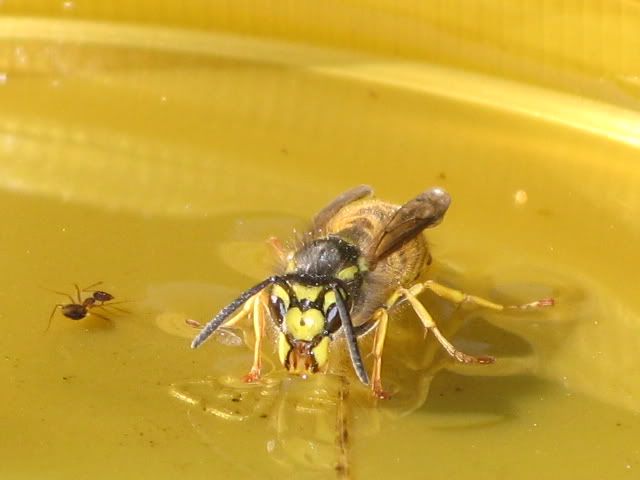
(312, 301)
(309, 303)
(307, 316)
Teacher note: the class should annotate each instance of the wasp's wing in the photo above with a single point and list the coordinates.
(356, 193)
(424, 211)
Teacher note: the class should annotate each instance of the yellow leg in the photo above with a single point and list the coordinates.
(246, 308)
(278, 247)
(258, 329)
(382, 318)
(429, 324)
(458, 297)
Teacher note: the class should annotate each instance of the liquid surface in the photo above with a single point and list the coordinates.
(159, 164)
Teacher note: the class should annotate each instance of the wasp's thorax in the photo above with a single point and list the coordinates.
(304, 305)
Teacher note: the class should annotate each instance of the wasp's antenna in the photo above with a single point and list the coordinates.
(219, 319)
(352, 341)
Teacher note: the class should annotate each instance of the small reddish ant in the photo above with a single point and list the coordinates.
(80, 309)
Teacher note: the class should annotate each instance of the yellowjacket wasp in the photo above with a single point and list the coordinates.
(361, 257)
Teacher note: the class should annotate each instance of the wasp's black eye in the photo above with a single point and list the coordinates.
(333, 319)
(278, 308)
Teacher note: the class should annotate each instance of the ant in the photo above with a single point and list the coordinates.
(80, 309)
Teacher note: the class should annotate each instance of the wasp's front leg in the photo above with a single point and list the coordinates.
(259, 323)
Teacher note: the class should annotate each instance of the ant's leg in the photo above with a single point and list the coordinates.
(78, 292)
(94, 314)
(86, 289)
(52, 314)
(117, 309)
(71, 299)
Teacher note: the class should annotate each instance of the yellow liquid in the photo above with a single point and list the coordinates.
(158, 161)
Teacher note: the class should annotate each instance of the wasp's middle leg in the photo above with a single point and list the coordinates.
(381, 318)
(379, 321)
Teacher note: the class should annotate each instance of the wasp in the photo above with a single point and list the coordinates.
(361, 257)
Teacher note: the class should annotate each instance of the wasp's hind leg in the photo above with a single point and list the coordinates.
(380, 318)
(429, 324)
(458, 297)
(258, 303)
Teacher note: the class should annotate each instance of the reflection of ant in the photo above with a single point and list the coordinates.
(80, 310)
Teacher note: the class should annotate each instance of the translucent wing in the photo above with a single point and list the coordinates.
(424, 211)
(328, 212)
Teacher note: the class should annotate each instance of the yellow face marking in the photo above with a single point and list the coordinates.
(329, 299)
(304, 325)
(282, 294)
(283, 348)
(321, 352)
(348, 273)
(310, 293)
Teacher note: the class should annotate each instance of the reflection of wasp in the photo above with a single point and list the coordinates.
(360, 259)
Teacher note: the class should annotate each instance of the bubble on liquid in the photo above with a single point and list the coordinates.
(520, 197)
